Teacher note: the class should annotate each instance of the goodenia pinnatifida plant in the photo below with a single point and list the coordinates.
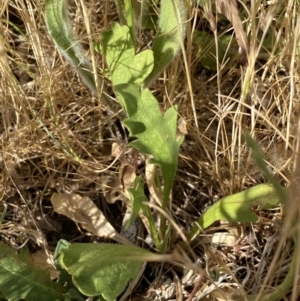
(158, 134)
(155, 132)
(129, 73)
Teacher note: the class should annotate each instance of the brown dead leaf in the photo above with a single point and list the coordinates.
(181, 128)
(117, 150)
(44, 262)
(150, 171)
(82, 210)
(230, 10)
(127, 176)
(224, 239)
(127, 171)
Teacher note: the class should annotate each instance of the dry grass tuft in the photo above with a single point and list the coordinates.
(56, 137)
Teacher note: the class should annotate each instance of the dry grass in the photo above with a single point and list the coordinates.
(56, 137)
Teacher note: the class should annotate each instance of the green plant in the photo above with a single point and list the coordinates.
(154, 132)
(155, 135)
(129, 73)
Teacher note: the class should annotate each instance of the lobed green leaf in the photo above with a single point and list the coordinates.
(156, 133)
(124, 64)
